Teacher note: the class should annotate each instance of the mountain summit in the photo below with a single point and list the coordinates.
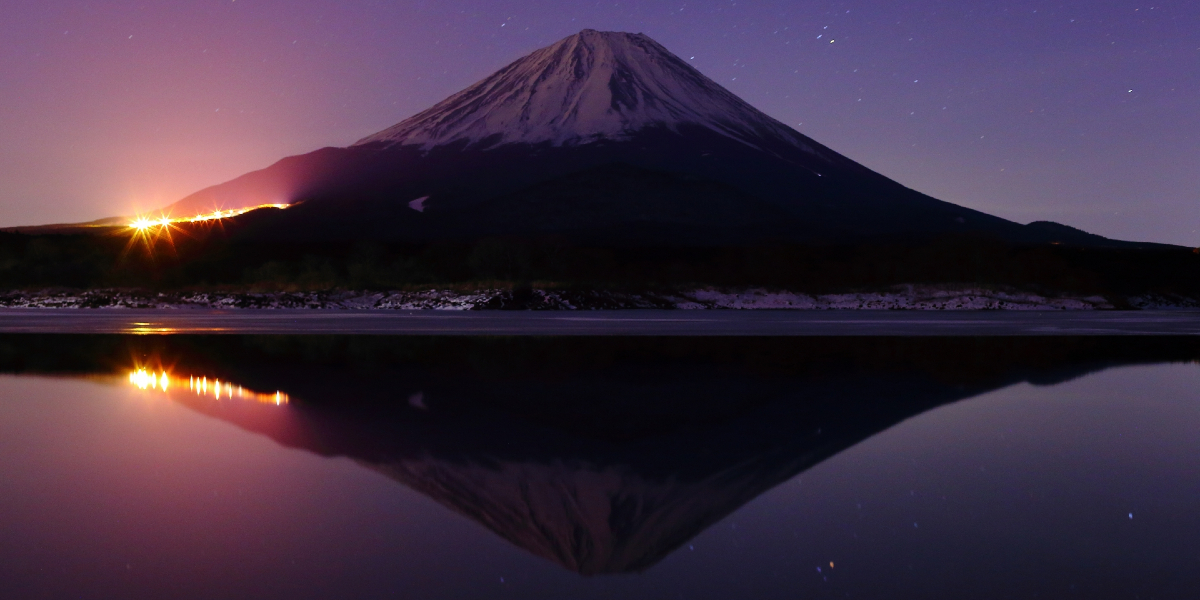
(587, 87)
(602, 138)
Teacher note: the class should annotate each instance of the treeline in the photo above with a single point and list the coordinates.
(220, 261)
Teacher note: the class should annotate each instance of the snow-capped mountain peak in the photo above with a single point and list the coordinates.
(587, 87)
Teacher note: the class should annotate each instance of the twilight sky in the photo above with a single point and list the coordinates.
(1085, 112)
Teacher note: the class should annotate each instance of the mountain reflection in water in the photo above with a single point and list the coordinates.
(601, 454)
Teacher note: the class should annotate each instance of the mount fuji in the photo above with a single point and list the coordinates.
(590, 87)
(602, 137)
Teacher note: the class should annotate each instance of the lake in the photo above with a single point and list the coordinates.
(606, 322)
(319, 466)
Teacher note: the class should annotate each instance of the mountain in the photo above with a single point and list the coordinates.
(603, 137)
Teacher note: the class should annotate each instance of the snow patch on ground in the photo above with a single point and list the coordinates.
(909, 298)
(1160, 301)
(418, 204)
(118, 299)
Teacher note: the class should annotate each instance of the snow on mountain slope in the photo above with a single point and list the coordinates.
(587, 87)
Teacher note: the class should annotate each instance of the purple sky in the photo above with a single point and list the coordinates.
(1085, 112)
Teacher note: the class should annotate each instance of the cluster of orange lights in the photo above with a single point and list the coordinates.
(201, 386)
(144, 224)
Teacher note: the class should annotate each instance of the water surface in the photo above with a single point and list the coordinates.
(325, 466)
(607, 322)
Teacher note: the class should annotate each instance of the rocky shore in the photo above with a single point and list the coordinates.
(900, 298)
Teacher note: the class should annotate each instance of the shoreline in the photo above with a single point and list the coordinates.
(667, 323)
(904, 298)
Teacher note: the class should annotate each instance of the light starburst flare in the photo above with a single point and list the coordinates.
(149, 231)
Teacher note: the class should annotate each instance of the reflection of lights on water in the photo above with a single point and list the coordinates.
(148, 379)
(163, 381)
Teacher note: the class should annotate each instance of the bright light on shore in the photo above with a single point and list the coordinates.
(141, 224)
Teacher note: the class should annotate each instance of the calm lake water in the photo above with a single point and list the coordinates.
(409, 467)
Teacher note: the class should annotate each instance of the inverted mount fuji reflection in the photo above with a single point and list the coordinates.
(637, 460)
(603, 455)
